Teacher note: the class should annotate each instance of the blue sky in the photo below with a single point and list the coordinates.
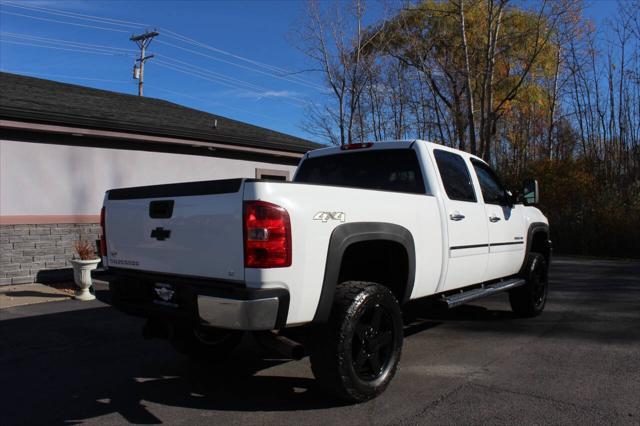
(228, 83)
(237, 62)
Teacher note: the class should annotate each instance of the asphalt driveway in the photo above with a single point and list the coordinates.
(72, 362)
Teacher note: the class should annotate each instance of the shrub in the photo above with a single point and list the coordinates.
(85, 250)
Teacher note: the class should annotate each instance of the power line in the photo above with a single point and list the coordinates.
(209, 102)
(104, 80)
(4, 12)
(282, 72)
(272, 70)
(207, 71)
(73, 77)
(186, 39)
(195, 52)
(96, 52)
(163, 60)
(293, 101)
(90, 48)
(195, 73)
(171, 63)
(260, 91)
(70, 14)
(64, 42)
(190, 68)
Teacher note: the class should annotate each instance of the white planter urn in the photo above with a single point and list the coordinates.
(82, 276)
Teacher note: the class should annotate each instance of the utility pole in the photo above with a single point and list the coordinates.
(143, 41)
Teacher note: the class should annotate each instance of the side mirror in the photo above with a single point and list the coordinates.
(530, 194)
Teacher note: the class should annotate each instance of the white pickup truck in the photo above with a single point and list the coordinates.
(329, 258)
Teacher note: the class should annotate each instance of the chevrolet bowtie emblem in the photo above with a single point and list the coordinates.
(164, 292)
(160, 233)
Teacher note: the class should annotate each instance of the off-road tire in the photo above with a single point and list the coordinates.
(205, 343)
(529, 300)
(355, 354)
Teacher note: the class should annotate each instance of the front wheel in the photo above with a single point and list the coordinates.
(529, 300)
(355, 355)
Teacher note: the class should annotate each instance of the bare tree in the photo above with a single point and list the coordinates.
(333, 36)
(531, 87)
(467, 81)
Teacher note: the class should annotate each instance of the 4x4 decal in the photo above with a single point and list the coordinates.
(326, 216)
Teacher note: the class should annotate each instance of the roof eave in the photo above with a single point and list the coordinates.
(77, 131)
(105, 125)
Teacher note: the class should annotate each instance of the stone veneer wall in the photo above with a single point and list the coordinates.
(40, 252)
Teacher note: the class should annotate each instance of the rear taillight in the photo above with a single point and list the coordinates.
(103, 237)
(267, 235)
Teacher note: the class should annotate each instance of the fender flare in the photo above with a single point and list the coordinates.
(535, 228)
(349, 233)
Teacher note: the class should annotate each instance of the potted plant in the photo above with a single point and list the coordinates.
(82, 267)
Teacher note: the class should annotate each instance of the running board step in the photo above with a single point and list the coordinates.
(463, 297)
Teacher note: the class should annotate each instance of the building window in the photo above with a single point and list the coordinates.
(268, 174)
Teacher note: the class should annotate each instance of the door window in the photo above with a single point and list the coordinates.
(455, 176)
(492, 190)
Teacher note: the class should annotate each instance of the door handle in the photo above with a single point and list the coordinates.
(456, 216)
(494, 218)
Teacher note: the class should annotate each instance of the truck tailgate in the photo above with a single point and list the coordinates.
(191, 229)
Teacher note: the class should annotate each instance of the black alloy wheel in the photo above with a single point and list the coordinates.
(530, 299)
(354, 356)
(373, 343)
(540, 286)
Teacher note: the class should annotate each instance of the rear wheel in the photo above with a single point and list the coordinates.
(205, 343)
(529, 300)
(355, 355)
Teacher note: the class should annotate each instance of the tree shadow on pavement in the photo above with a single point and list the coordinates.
(82, 364)
(66, 367)
(589, 301)
(33, 293)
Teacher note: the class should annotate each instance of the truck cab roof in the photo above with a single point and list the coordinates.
(391, 144)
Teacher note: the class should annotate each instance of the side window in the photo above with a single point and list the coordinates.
(492, 190)
(455, 176)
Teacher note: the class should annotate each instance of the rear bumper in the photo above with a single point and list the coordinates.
(213, 303)
(257, 314)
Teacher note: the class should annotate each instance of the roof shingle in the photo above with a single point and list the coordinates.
(51, 102)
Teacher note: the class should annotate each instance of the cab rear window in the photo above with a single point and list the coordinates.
(396, 170)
